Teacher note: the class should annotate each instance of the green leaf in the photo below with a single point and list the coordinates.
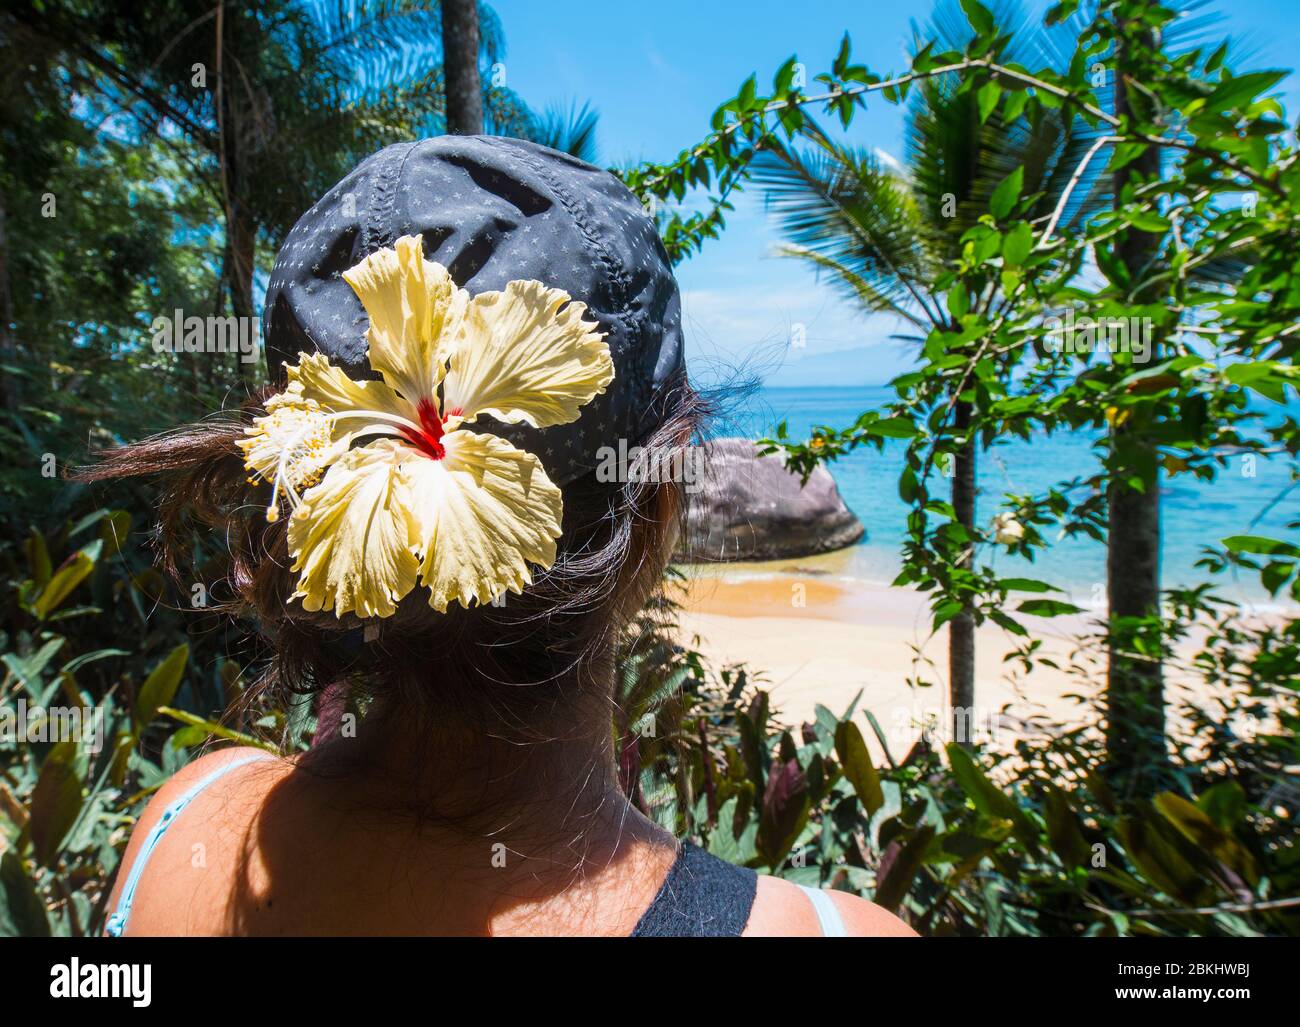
(1047, 607)
(1242, 89)
(1007, 622)
(1206, 835)
(89, 521)
(989, 246)
(1026, 585)
(56, 801)
(958, 301)
(38, 559)
(160, 686)
(945, 612)
(29, 669)
(908, 486)
(77, 662)
(1125, 154)
(1224, 803)
(1160, 862)
(115, 531)
(1015, 105)
(784, 76)
(924, 60)
(1275, 575)
(1063, 829)
(1249, 371)
(748, 92)
(1006, 194)
(1058, 13)
(65, 579)
(1018, 244)
(854, 756)
(22, 913)
(986, 796)
(841, 61)
(899, 867)
(879, 732)
(722, 840)
(979, 16)
(1147, 221)
(784, 813)
(988, 96)
(1110, 265)
(892, 428)
(1261, 545)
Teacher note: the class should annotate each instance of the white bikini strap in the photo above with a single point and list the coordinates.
(828, 914)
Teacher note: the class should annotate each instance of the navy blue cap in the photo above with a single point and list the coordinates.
(492, 209)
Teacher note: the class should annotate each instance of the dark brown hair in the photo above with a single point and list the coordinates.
(512, 669)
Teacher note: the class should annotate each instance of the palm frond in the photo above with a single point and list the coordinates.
(956, 162)
(570, 130)
(847, 208)
(863, 291)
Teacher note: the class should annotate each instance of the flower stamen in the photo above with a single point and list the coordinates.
(305, 453)
(427, 437)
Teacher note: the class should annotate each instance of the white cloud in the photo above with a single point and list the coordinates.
(761, 330)
(888, 159)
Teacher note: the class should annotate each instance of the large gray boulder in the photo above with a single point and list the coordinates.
(752, 508)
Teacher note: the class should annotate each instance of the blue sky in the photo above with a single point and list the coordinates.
(656, 72)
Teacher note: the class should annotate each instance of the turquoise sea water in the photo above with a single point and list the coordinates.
(1195, 514)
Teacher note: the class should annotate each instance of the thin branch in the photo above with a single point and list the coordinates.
(862, 90)
(1074, 180)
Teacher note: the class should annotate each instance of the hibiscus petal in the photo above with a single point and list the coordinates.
(415, 315)
(523, 358)
(353, 536)
(314, 378)
(487, 511)
(313, 422)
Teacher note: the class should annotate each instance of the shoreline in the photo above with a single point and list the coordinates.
(813, 636)
(869, 567)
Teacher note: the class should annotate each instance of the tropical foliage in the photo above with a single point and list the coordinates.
(117, 198)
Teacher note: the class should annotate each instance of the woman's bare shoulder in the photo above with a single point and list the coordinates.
(229, 802)
(269, 769)
(782, 909)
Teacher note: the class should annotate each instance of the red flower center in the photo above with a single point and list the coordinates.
(428, 440)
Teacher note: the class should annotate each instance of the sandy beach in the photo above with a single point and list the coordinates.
(818, 637)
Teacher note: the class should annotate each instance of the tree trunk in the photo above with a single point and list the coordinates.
(240, 256)
(8, 343)
(240, 262)
(961, 629)
(241, 225)
(1134, 704)
(460, 45)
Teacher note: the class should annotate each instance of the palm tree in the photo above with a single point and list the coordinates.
(884, 234)
(270, 102)
(1137, 761)
(460, 51)
(571, 130)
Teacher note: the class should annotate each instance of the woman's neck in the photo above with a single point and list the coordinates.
(523, 826)
(557, 780)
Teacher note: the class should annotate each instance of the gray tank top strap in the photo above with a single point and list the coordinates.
(702, 897)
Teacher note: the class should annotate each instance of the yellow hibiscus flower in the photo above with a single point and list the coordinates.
(425, 500)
